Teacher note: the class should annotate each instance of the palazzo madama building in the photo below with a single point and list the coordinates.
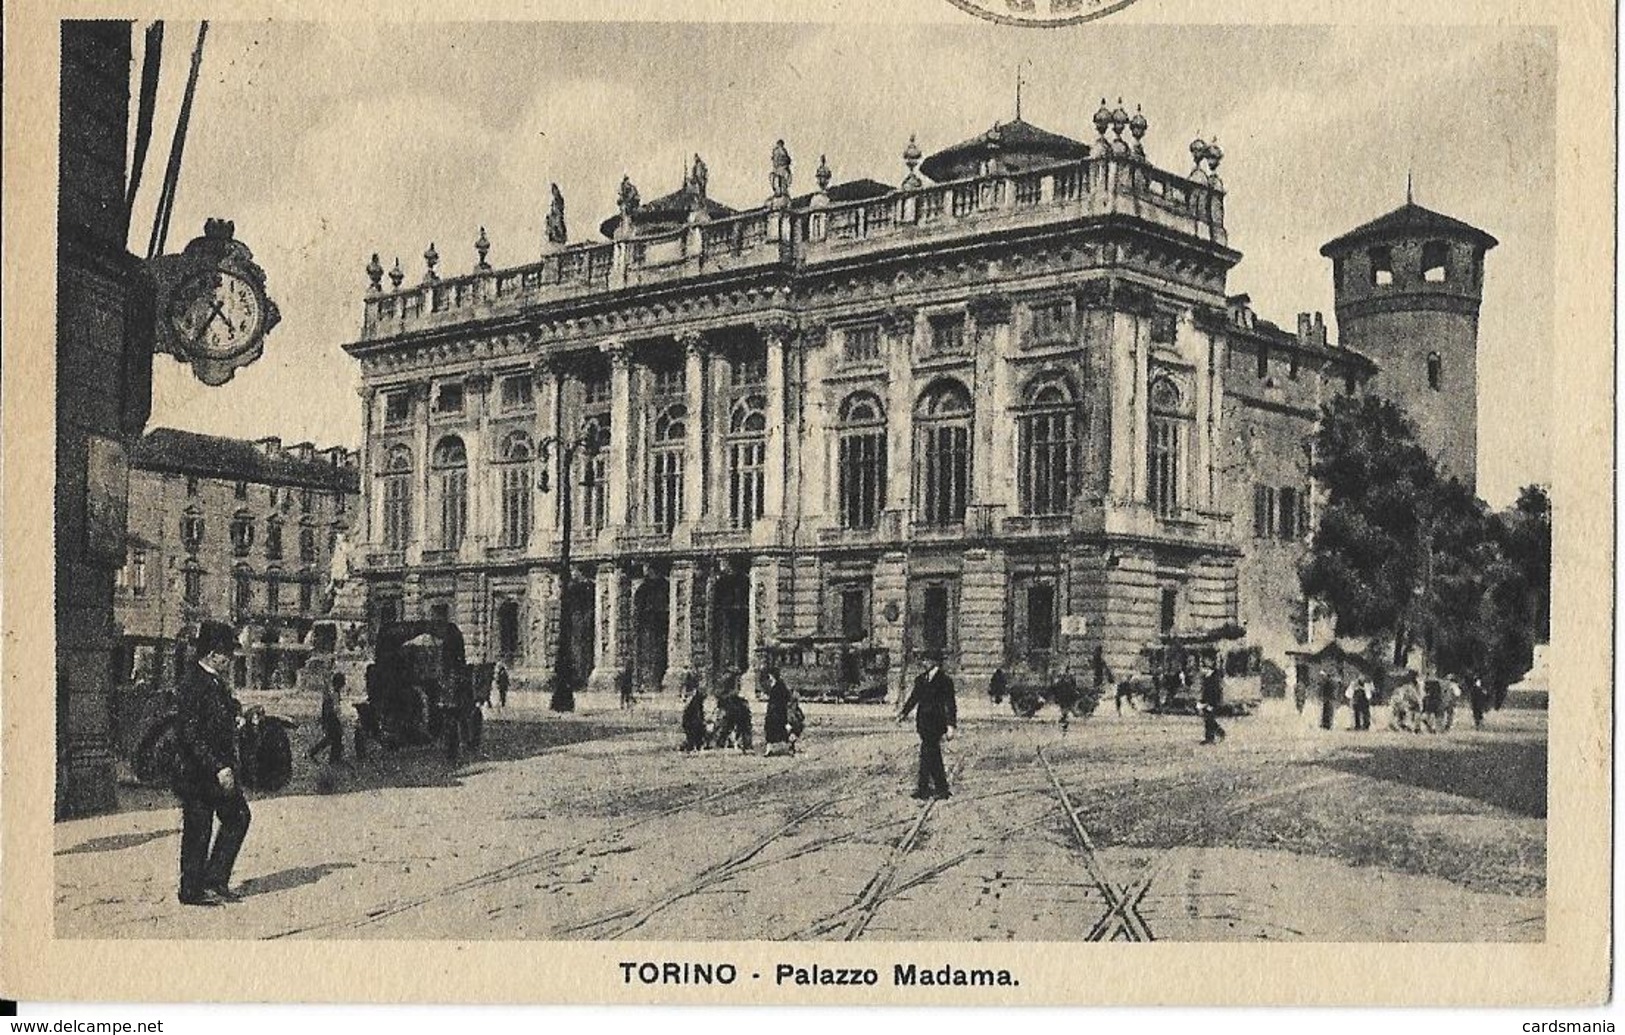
(1004, 410)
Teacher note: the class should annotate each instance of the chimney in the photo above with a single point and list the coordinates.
(1306, 332)
(1320, 330)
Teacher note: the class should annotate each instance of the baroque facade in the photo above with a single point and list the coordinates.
(1007, 413)
(238, 531)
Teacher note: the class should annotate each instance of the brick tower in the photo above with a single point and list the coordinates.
(1407, 286)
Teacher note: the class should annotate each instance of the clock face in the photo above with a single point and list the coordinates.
(217, 314)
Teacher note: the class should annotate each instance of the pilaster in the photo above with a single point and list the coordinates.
(420, 490)
(694, 380)
(774, 477)
(900, 327)
(545, 514)
(680, 663)
(620, 430)
(610, 649)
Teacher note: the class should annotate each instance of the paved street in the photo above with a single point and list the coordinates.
(594, 826)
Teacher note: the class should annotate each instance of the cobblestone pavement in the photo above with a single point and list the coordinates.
(593, 826)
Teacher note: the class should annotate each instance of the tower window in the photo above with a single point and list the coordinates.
(1263, 360)
(1435, 372)
(1382, 267)
(1435, 261)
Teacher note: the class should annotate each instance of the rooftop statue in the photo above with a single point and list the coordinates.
(627, 200)
(780, 177)
(556, 233)
(698, 177)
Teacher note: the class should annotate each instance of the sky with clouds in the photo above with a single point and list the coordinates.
(328, 142)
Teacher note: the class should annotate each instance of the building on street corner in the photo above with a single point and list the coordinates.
(1005, 411)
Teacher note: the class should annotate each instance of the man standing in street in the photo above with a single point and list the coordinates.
(502, 686)
(1212, 698)
(206, 774)
(1360, 692)
(935, 718)
(332, 725)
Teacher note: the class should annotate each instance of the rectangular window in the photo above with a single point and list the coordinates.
(1169, 611)
(307, 597)
(595, 490)
(273, 541)
(1041, 616)
(273, 594)
(1263, 511)
(1286, 513)
(854, 612)
(242, 536)
(516, 393)
(453, 508)
(138, 571)
(449, 399)
(667, 488)
(595, 391)
(192, 531)
(1382, 267)
(862, 343)
(1263, 360)
(1052, 321)
(948, 333)
(863, 479)
(1164, 458)
(397, 407)
(749, 370)
(1435, 261)
(397, 511)
(242, 591)
(307, 545)
(516, 504)
(191, 485)
(192, 588)
(240, 490)
(947, 474)
(747, 465)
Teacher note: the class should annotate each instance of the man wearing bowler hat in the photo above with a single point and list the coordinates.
(935, 719)
(206, 776)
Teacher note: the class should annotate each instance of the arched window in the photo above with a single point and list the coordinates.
(862, 463)
(192, 528)
(943, 421)
(595, 476)
(667, 441)
(242, 533)
(747, 460)
(515, 461)
(1048, 447)
(451, 467)
(1435, 372)
(1169, 421)
(273, 538)
(397, 486)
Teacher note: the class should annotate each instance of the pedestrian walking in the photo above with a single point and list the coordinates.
(1065, 693)
(623, 682)
(1480, 700)
(206, 775)
(1328, 701)
(332, 723)
(778, 733)
(936, 715)
(502, 686)
(998, 686)
(1212, 698)
(1360, 692)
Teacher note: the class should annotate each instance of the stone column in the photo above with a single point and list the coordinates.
(420, 494)
(889, 599)
(609, 649)
(369, 524)
(620, 430)
(694, 448)
(774, 477)
(481, 512)
(900, 328)
(680, 628)
(545, 514)
(542, 637)
(992, 472)
(763, 609)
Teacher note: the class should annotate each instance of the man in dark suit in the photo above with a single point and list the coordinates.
(206, 778)
(935, 718)
(1212, 699)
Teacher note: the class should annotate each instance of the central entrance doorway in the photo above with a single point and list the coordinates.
(730, 622)
(651, 616)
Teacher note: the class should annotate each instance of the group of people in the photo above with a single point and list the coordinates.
(1359, 693)
(721, 717)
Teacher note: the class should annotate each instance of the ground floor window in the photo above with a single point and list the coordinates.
(508, 628)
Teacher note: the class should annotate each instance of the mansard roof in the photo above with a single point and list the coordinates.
(853, 190)
(1408, 220)
(1016, 145)
(235, 459)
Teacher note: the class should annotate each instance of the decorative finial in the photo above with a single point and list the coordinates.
(823, 175)
(911, 158)
(1018, 91)
(396, 274)
(482, 244)
(431, 258)
(1103, 118)
(375, 274)
(779, 178)
(1198, 156)
(1409, 200)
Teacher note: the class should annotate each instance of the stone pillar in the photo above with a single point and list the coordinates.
(900, 329)
(610, 650)
(481, 451)
(368, 524)
(694, 465)
(1127, 368)
(764, 617)
(545, 514)
(421, 398)
(984, 595)
(774, 477)
(542, 636)
(680, 663)
(992, 463)
(889, 598)
(620, 431)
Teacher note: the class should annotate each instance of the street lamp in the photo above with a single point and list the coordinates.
(564, 676)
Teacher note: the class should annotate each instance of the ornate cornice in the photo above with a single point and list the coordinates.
(989, 309)
(899, 321)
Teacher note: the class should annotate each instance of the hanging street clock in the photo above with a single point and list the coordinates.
(210, 306)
